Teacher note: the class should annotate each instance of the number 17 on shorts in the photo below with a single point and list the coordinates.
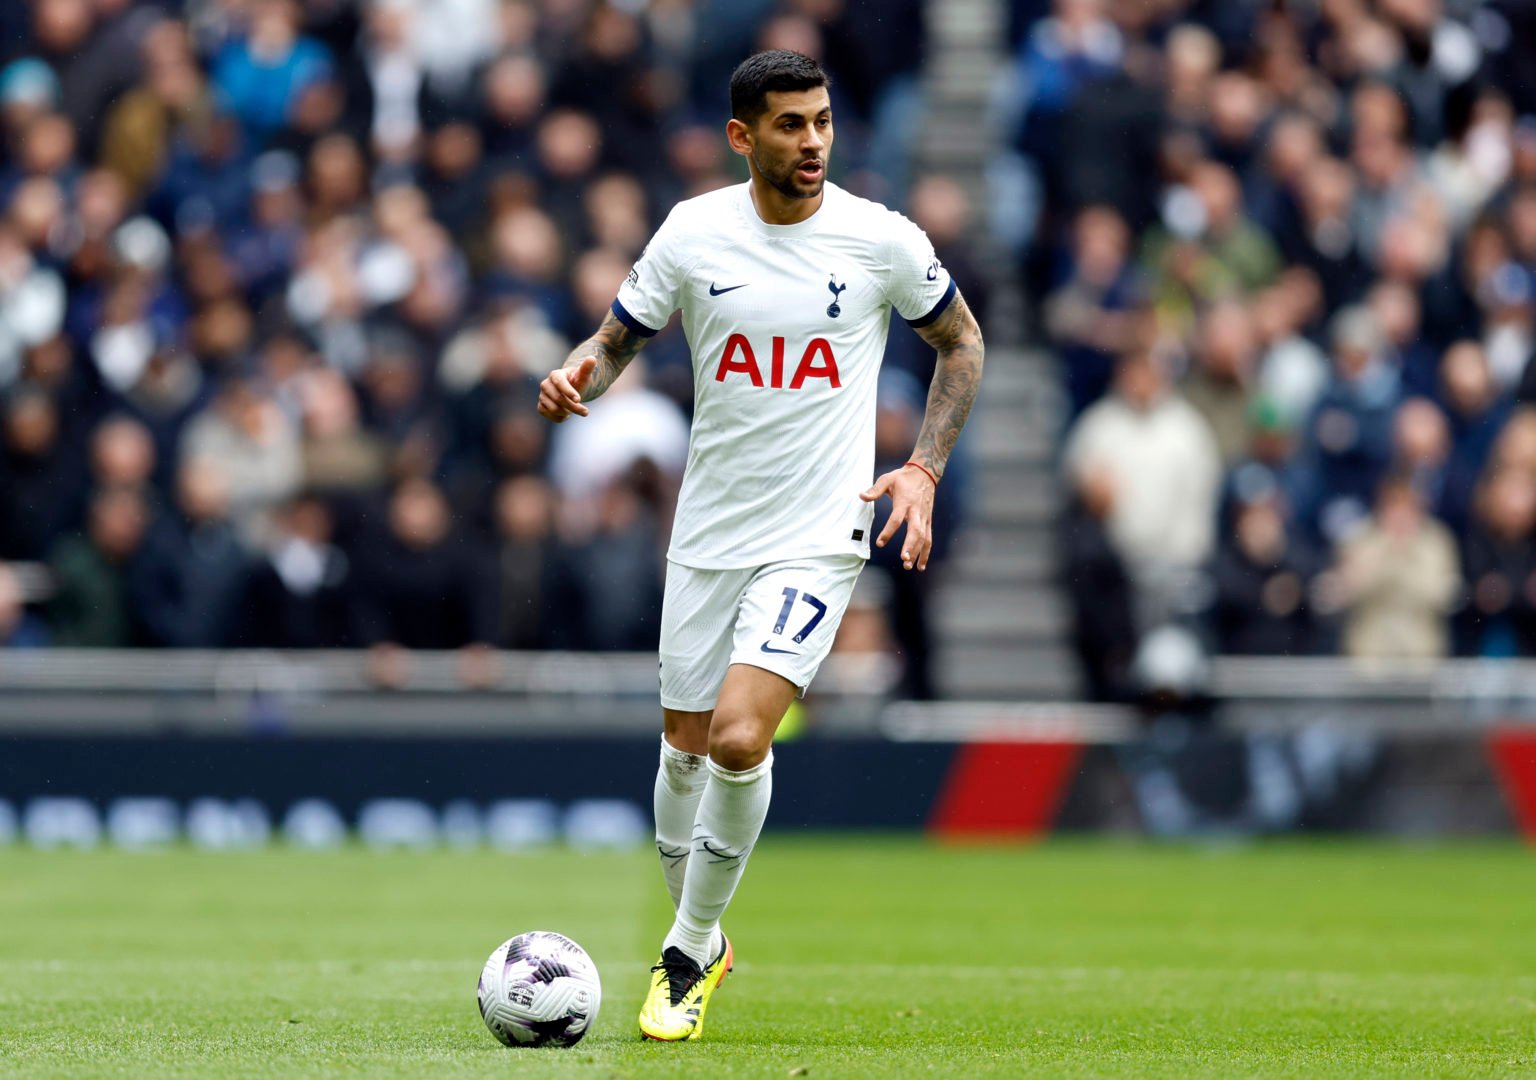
(781, 617)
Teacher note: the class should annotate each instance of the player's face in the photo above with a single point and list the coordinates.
(791, 141)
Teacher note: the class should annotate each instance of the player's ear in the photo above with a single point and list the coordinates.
(739, 135)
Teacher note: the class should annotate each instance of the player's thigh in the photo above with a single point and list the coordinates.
(698, 622)
(790, 613)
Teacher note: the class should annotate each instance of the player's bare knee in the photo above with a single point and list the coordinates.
(737, 745)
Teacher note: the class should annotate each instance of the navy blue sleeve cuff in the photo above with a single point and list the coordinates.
(937, 310)
(645, 331)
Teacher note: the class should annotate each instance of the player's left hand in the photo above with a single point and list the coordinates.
(911, 495)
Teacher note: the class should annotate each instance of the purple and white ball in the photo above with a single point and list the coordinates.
(539, 989)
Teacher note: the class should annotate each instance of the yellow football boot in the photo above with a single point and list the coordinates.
(680, 992)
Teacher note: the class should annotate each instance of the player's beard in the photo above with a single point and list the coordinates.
(786, 183)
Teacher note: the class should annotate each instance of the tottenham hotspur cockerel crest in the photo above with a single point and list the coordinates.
(833, 311)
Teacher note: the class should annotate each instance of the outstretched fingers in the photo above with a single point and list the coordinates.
(906, 510)
(885, 485)
(918, 543)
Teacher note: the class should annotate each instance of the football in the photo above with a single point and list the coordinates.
(539, 989)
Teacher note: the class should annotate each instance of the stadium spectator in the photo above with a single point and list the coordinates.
(394, 405)
(32, 302)
(255, 446)
(153, 379)
(1509, 334)
(612, 572)
(941, 208)
(265, 252)
(39, 474)
(28, 89)
(1061, 56)
(1262, 577)
(1267, 471)
(1347, 445)
(262, 72)
(1293, 370)
(187, 583)
(1398, 578)
(1476, 413)
(1206, 249)
(453, 38)
(91, 606)
(1165, 468)
(530, 563)
(1499, 563)
(1092, 316)
(1395, 307)
(906, 596)
(338, 455)
(878, 49)
(1421, 448)
(296, 596)
(416, 584)
(205, 177)
(514, 91)
(122, 454)
(1327, 242)
(1104, 632)
(1276, 181)
(141, 125)
(1219, 387)
(19, 628)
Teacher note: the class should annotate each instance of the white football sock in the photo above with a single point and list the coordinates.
(731, 815)
(679, 785)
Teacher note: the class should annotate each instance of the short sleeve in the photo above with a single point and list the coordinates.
(649, 295)
(919, 287)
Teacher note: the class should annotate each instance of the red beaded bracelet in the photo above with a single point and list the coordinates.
(926, 472)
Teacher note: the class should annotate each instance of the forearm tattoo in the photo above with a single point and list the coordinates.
(614, 345)
(956, 380)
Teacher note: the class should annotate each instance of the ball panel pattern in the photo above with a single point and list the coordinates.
(537, 989)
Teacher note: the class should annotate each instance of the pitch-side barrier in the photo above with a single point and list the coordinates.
(514, 748)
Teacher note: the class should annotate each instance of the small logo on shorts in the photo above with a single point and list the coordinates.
(786, 652)
(858, 534)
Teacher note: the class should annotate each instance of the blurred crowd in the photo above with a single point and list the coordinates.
(278, 280)
(1286, 254)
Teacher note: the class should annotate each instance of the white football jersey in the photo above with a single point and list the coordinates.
(787, 327)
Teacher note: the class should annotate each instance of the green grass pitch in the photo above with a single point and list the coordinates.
(856, 957)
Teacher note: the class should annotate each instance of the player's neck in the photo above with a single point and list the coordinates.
(776, 208)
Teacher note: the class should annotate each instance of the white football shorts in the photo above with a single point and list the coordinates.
(781, 617)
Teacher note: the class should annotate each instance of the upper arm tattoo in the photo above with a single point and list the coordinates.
(956, 380)
(614, 345)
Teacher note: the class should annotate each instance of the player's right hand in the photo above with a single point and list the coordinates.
(560, 392)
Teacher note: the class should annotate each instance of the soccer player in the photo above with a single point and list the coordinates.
(786, 284)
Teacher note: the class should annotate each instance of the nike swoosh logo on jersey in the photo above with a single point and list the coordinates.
(717, 292)
(786, 652)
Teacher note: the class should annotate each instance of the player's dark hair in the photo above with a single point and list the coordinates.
(772, 71)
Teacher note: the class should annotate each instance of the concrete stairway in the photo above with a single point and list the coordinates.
(1000, 620)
